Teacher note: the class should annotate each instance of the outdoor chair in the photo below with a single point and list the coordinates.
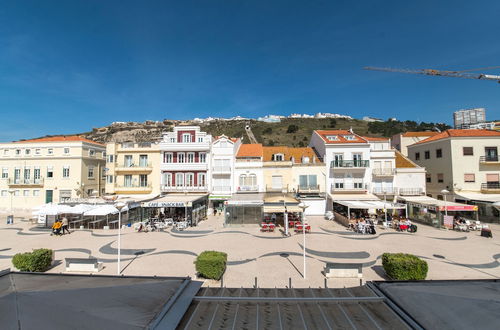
(470, 225)
(264, 227)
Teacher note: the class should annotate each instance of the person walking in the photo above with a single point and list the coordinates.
(65, 224)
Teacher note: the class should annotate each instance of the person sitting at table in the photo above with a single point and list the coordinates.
(273, 217)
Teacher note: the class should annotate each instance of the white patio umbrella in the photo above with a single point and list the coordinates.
(102, 210)
(82, 208)
(52, 209)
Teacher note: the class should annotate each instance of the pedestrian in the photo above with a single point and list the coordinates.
(65, 225)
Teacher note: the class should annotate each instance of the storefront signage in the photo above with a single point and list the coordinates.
(245, 203)
(459, 208)
(164, 204)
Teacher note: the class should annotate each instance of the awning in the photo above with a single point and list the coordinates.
(371, 205)
(173, 200)
(273, 198)
(281, 209)
(426, 201)
(246, 199)
(350, 197)
(491, 198)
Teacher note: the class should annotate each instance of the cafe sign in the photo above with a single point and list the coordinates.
(164, 204)
(459, 208)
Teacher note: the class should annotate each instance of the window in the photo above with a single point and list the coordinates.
(143, 160)
(110, 158)
(91, 152)
(427, 154)
(181, 157)
(91, 172)
(186, 137)
(16, 192)
(36, 174)
(358, 185)
(127, 180)
(36, 193)
(37, 151)
(143, 180)
(190, 157)
(469, 177)
(339, 185)
(305, 160)
(66, 151)
(27, 173)
(278, 157)
(50, 172)
(349, 137)
(440, 177)
(167, 179)
(428, 178)
(18, 152)
(439, 197)
(172, 139)
(26, 193)
(200, 139)
(127, 145)
(90, 192)
(128, 161)
(109, 179)
(189, 179)
(4, 193)
(103, 154)
(27, 152)
(439, 153)
(168, 157)
(308, 181)
(203, 157)
(179, 179)
(50, 151)
(5, 152)
(250, 180)
(202, 180)
(417, 156)
(332, 137)
(5, 173)
(65, 171)
(277, 182)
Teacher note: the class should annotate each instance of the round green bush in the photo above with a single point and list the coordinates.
(405, 267)
(211, 264)
(37, 261)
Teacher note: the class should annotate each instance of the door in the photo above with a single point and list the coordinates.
(357, 160)
(338, 159)
(143, 160)
(128, 161)
(49, 194)
(17, 175)
(491, 154)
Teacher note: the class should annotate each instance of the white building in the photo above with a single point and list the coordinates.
(465, 118)
(401, 141)
(248, 170)
(223, 152)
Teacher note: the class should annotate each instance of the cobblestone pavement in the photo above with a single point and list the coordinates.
(270, 257)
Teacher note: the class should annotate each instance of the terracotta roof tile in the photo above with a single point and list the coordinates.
(419, 134)
(61, 138)
(340, 136)
(403, 162)
(461, 133)
(374, 139)
(250, 150)
(289, 152)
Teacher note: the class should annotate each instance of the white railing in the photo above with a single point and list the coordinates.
(221, 188)
(221, 169)
(383, 171)
(184, 188)
(410, 191)
(348, 188)
(248, 188)
(382, 191)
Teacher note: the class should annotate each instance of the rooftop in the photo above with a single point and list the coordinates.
(289, 152)
(461, 133)
(403, 162)
(419, 134)
(250, 150)
(60, 138)
(340, 136)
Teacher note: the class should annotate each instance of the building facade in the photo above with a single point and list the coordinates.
(401, 141)
(185, 160)
(133, 168)
(462, 119)
(465, 163)
(52, 169)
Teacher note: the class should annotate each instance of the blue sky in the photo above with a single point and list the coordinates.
(68, 66)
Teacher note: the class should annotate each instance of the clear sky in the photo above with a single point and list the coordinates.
(68, 66)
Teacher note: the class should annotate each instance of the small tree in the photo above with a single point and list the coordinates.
(333, 122)
(292, 128)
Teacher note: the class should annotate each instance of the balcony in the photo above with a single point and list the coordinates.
(25, 182)
(181, 189)
(135, 168)
(350, 164)
(489, 160)
(134, 188)
(184, 166)
(243, 189)
(309, 189)
(184, 146)
(277, 189)
(221, 189)
(221, 170)
(411, 191)
(346, 189)
(381, 172)
(490, 187)
(384, 190)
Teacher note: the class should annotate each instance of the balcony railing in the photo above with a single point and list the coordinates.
(183, 188)
(221, 169)
(350, 163)
(308, 188)
(384, 191)
(248, 188)
(490, 186)
(410, 191)
(221, 189)
(276, 189)
(134, 186)
(25, 182)
(134, 165)
(350, 188)
(383, 171)
(489, 159)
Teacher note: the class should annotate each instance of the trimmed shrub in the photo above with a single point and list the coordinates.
(37, 261)
(211, 264)
(405, 267)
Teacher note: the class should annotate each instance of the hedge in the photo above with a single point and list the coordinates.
(401, 266)
(211, 264)
(37, 261)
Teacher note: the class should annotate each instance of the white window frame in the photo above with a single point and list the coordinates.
(179, 154)
(5, 173)
(66, 150)
(91, 153)
(66, 172)
(90, 172)
(36, 192)
(202, 157)
(189, 179)
(179, 179)
(38, 151)
(26, 193)
(50, 169)
(50, 151)
(190, 157)
(186, 136)
(168, 157)
(167, 179)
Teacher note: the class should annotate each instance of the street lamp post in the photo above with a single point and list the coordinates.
(385, 206)
(445, 192)
(496, 205)
(11, 220)
(304, 207)
(119, 206)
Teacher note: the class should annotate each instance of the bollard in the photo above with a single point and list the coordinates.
(255, 286)
(222, 282)
(360, 282)
(326, 284)
(289, 282)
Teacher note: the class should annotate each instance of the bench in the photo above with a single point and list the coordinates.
(83, 265)
(344, 270)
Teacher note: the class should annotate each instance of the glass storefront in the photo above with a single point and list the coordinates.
(243, 214)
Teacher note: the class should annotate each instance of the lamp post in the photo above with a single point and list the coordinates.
(385, 206)
(496, 205)
(11, 220)
(445, 192)
(119, 206)
(304, 207)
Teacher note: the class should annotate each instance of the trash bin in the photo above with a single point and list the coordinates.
(10, 219)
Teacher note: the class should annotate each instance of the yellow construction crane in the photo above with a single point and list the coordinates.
(432, 72)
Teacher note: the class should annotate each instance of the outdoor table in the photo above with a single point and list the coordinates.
(113, 222)
(94, 222)
(300, 227)
(271, 226)
(291, 224)
(75, 223)
(264, 227)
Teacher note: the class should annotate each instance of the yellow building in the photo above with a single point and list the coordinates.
(51, 169)
(133, 168)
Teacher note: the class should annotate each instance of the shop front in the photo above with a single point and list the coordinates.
(217, 203)
(179, 207)
(244, 209)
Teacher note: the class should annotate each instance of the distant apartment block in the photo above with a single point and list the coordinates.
(401, 141)
(464, 118)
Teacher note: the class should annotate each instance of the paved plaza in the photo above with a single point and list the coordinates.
(270, 257)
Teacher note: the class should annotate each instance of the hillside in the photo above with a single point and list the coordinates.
(291, 131)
